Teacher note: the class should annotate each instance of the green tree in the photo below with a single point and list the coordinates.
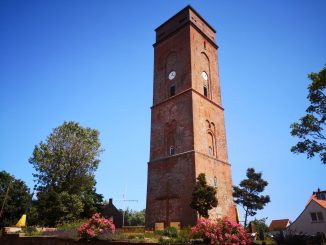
(260, 227)
(310, 128)
(134, 218)
(93, 202)
(247, 195)
(203, 196)
(65, 165)
(32, 215)
(18, 199)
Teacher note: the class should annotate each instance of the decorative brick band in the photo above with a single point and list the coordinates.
(183, 92)
(187, 152)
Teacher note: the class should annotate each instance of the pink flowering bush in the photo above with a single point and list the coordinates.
(220, 231)
(95, 226)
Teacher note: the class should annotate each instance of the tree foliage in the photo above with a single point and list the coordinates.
(310, 128)
(134, 218)
(65, 165)
(18, 200)
(248, 194)
(203, 196)
(54, 208)
(260, 225)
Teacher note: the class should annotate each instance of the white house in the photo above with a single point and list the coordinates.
(312, 218)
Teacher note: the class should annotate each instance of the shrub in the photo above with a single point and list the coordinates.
(29, 229)
(184, 235)
(72, 225)
(220, 231)
(96, 226)
(170, 232)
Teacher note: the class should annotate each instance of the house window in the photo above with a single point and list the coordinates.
(171, 151)
(317, 217)
(313, 217)
(321, 196)
(320, 216)
(205, 90)
(172, 90)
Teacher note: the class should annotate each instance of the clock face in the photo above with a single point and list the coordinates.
(172, 75)
(204, 75)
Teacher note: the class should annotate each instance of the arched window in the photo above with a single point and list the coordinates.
(205, 75)
(205, 83)
(210, 143)
(210, 151)
(170, 132)
(171, 73)
(205, 87)
(172, 90)
(171, 150)
(210, 138)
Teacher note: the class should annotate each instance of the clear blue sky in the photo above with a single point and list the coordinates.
(92, 62)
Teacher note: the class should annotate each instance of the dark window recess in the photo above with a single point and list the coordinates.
(320, 216)
(171, 151)
(215, 182)
(210, 151)
(313, 216)
(172, 90)
(204, 45)
(205, 91)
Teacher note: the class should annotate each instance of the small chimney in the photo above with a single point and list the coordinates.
(110, 202)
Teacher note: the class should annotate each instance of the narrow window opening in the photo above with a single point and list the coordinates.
(171, 151)
(205, 91)
(210, 151)
(215, 182)
(204, 44)
(172, 90)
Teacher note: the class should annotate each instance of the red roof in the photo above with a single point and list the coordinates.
(279, 224)
(319, 201)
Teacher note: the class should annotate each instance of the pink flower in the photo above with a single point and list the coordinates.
(221, 231)
(95, 226)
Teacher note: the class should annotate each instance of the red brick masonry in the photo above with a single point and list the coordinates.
(191, 121)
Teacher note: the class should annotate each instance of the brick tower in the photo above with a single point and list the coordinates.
(187, 123)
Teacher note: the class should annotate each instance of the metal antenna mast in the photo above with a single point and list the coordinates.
(124, 200)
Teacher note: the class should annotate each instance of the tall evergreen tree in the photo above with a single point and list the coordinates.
(310, 128)
(203, 196)
(248, 194)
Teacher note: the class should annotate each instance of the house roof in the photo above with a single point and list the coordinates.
(314, 197)
(279, 224)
